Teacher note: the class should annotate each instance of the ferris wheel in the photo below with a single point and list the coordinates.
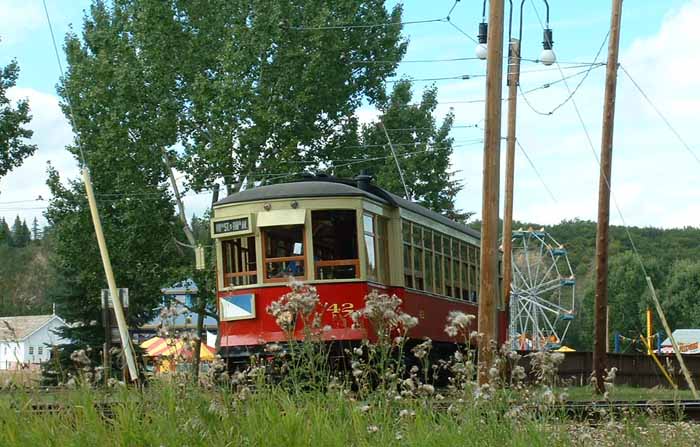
(542, 291)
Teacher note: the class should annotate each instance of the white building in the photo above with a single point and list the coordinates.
(28, 340)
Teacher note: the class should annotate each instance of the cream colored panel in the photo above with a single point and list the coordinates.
(281, 217)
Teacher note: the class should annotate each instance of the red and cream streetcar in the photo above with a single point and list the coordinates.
(346, 238)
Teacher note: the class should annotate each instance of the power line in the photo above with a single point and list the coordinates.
(416, 61)
(537, 172)
(578, 86)
(373, 25)
(461, 31)
(446, 78)
(60, 67)
(111, 197)
(661, 115)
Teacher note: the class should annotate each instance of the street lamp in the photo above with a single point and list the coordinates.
(481, 49)
(547, 57)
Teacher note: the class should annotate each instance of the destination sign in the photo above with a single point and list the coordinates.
(231, 225)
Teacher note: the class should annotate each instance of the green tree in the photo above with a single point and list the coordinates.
(124, 119)
(20, 233)
(680, 297)
(423, 150)
(13, 120)
(5, 233)
(36, 233)
(257, 88)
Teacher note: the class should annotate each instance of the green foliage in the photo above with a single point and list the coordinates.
(24, 275)
(125, 121)
(5, 233)
(36, 233)
(24, 271)
(20, 233)
(423, 149)
(680, 300)
(13, 120)
(264, 97)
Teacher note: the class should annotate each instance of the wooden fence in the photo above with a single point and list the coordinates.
(632, 369)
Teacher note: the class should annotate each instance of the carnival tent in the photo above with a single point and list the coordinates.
(688, 342)
(565, 349)
(169, 347)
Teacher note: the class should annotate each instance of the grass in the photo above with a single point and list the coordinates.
(631, 393)
(167, 415)
(296, 402)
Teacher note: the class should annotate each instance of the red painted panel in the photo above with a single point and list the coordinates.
(339, 300)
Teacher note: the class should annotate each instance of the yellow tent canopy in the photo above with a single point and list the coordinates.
(565, 349)
(170, 347)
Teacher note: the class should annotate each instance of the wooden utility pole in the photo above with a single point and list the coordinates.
(513, 80)
(107, 264)
(489, 287)
(604, 185)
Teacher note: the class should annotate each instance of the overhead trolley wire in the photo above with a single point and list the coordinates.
(661, 115)
(110, 197)
(537, 172)
(595, 64)
(60, 67)
(368, 25)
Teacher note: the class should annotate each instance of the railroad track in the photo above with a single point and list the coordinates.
(685, 409)
(578, 410)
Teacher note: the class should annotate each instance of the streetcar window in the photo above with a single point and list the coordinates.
(456, 284)
(335, 244)
(382, 241)
(428, 265)
(407, 271)
(239, 261)
(406, 230)
(465, 282)
(438, 272)
(418, 268)
(440, 264)
(376, 247)
(407, 254)
(283, 252)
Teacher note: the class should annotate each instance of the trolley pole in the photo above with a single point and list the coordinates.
(489, 287)
(604, 185)
(513, 80)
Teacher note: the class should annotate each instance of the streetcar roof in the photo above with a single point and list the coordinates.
(333, 187)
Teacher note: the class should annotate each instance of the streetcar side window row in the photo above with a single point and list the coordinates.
(440, 264)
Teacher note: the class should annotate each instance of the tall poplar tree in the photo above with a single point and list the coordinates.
(122, 128)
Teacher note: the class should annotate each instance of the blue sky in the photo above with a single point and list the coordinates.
(654, 176)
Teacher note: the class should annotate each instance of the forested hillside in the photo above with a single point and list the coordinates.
(24, 268)
(671, 258)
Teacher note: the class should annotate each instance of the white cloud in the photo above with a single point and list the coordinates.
(51, 135)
